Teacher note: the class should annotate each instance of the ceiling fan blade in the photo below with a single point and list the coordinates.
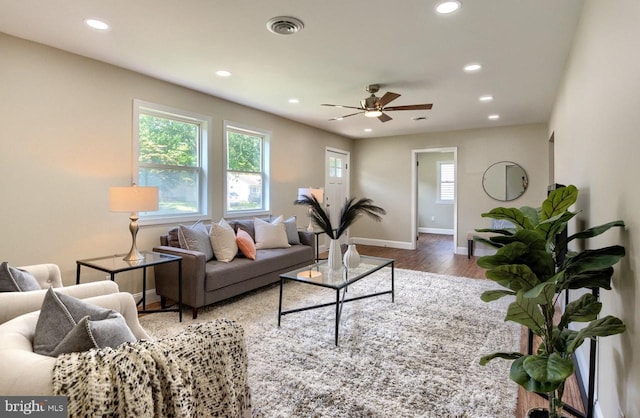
(342, 106)
(410, 107)
(384, 118)
(346, 116)
(387, 98)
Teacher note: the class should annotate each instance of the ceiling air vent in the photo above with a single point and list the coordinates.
(285, 25)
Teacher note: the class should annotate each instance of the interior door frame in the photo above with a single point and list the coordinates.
(347, 178)
(414, 193)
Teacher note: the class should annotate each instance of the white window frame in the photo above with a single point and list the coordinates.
(205, 122)
(439, 199)
(266, 195)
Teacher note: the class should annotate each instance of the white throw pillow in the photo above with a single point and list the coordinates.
(270, 235)
(223, 241)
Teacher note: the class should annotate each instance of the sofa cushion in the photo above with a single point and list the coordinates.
(16, 280)
(246, 244)
(223, 241)
(195, 238)
(67, 325)
(270, 235)
(267, 261)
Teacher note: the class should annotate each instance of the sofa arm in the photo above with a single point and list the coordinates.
(25, 373)
(48, 275)
(17, 303)
(193, 276)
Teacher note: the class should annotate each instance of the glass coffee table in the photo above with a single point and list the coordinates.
(318, 274)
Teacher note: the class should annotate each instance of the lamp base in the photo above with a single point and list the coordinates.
(309, 274)
(134, 254)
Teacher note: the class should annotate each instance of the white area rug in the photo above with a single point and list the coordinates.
(417, 357)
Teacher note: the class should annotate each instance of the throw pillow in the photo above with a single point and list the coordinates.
(16, 280)
(291, 228)
(67, 324)
(195, 238)
(270, 235)
(246, 244)
(292, 231)
(223, 241)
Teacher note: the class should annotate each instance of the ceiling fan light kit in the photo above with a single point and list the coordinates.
(374, 107)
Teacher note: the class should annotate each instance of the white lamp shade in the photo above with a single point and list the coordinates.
(133, 199)
(310, 191)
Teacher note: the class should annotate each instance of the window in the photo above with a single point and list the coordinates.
(335, 167)
(170, 153)
(446, 181)
(247, 174)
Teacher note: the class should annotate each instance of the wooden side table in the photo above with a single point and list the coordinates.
(114, 264)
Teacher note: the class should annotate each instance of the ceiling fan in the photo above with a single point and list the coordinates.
(374, 107)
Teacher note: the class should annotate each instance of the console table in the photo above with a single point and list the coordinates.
(115, 264)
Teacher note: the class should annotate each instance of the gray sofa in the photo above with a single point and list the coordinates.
(207, 282)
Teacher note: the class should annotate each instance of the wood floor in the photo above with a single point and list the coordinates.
(435, 255)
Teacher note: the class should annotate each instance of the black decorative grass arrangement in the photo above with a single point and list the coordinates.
(351, 210)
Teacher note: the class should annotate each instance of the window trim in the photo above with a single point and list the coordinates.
(205, 122)
(439, 164)
(266, 166)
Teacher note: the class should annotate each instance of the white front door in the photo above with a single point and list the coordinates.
(336, 190)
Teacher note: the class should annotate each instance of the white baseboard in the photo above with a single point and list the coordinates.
(441, 231)
(382, 243)
(151, 296)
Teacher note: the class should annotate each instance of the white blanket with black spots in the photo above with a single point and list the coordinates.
(202, 372)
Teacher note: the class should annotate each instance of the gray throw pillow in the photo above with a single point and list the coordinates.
(292, 231)
(195, 238)
(67, 324)
(16, 280)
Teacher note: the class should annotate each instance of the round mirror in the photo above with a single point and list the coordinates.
(505, 181)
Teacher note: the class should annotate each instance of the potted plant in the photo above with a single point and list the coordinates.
(534, 265)
(352, 209)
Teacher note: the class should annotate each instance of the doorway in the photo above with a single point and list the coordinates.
(337, 180)
(434, 193)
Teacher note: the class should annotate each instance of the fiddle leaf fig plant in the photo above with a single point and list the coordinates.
(534, 265)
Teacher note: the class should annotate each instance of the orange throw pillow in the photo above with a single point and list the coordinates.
(246, 244)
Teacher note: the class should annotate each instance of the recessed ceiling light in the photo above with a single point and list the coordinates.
(472, 68)
(97, 24)
(368, 130)
(223, 73)
(449, 6)
(293, 100)
(486, 98)
(417, 118)
(494, 117)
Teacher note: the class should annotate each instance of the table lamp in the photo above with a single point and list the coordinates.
(133, 199)
(310, 191)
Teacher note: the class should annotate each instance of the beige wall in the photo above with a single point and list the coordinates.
(383, 172)
(597, 143)
(66, 138)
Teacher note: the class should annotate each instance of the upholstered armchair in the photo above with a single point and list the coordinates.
(14, 304)
(30, 374)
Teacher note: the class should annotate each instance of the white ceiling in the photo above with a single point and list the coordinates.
(403, 45)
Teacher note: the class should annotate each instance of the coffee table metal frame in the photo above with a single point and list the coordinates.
(338, 281)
